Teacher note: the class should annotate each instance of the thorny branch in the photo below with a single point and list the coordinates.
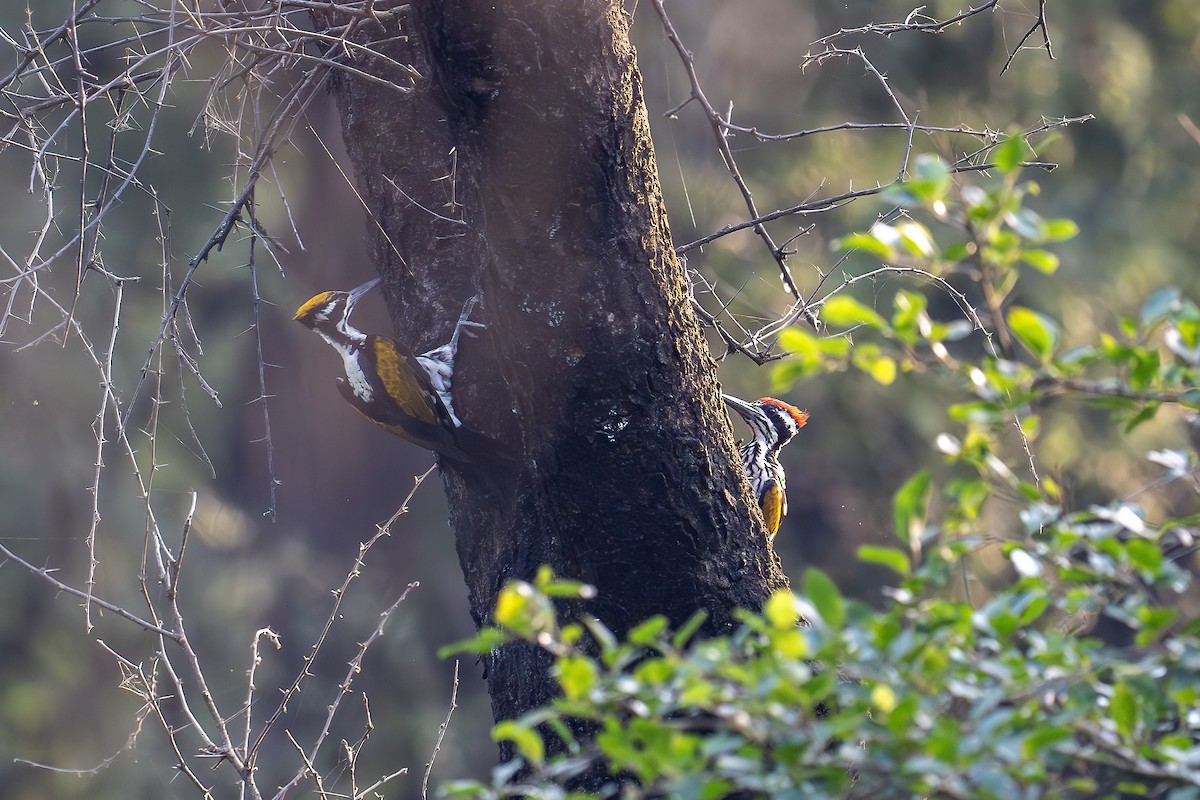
(757, 341)
(437, 746)
(86, 107)
(916, 21)
(334, 614)
(1039, 24)
(47, 575)
(265, 77)
(720, 131)
(168, 689)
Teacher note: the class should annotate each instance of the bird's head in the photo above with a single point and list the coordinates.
(773, 421)
(329, 312)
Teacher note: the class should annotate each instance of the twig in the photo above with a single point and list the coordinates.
(344, 688)
(263, 395)
(1038, 24)
(255, 660)
(46, 574)
(929, 26)
(98, 427)
(719, 131)
(437, 746)
(338, 594)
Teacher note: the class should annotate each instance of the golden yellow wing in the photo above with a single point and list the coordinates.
(771, 503)
(402, 380)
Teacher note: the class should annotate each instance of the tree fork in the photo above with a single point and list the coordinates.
(520, 165)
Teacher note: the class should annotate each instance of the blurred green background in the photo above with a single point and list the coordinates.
(1129, 178)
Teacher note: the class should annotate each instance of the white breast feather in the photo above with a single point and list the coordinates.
(354, 374)
(357, 379)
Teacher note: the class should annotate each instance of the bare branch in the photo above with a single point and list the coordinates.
(343, 689)
(46, 574)
(1038, 25)
(437, 746)
(338, 594)
(914, 22)
(718, 128)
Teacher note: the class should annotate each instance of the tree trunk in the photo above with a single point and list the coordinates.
(520, 166)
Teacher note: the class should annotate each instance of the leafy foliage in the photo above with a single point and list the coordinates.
(1074, 674)
(931, 697)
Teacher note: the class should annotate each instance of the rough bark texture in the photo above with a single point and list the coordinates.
(593, 370)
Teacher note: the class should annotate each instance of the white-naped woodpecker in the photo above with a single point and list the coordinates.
(773, 424)
(404, 394)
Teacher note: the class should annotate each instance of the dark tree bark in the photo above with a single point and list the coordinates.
(528, 124)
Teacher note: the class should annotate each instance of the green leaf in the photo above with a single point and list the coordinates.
(485, 641)
(1145, 415)
(909, 505)
(898, 194)
(899, 720)
(527, 741)
(573, 590)
(1145, 555)
(1037, 606)
(786, 374)
(646, 634)
(1123, 706)
(916, 239)
(463, 788)
(1026, 222)
(1179, 522)
(1189, 333)
(1031, 491)
(909, 315)
(807, 358)
(884, 371)
(790, 644)
(883, 699)
(1038, 333)
(834, 346)
(969, 494)
(1041, 260)
(715, 789)
(870, 360)
(890, 557)
(1155, 622)
(782, 610)
(844, 311)
(524, 610)
(825, 597)
(867, 243)
(1010, 153)
(1059, 230)
(1159, 305)
(576, 675)
(689, 628)
(797, 340)
(654, 671)
(959, 251)
(929, 179)
(1037, 744)
(551, 585)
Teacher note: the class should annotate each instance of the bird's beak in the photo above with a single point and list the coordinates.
(740, 406)
(356, 294)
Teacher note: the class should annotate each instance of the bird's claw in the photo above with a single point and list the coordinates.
(464, 323)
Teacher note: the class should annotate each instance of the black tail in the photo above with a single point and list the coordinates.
(483, 451)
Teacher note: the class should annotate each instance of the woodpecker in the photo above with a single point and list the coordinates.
(773, 423)
(404, 394)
